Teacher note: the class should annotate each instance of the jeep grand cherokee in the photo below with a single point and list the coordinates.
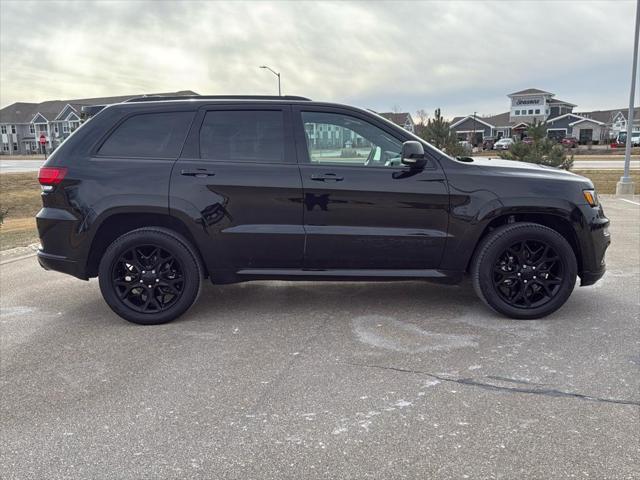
(156, 194)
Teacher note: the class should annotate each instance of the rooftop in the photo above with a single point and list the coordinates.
(530, 91)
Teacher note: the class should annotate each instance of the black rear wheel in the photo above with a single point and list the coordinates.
(150, 276)
(524, 270)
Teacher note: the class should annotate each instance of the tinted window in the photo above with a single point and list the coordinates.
(243, 136)
(341, 139)
(158, 135)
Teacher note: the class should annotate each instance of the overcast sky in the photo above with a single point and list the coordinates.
(460, 56)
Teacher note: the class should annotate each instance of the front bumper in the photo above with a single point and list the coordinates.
(595, 244)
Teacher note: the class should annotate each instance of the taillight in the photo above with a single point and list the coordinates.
(50, 176)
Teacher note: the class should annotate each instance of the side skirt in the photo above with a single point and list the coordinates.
(440, 276)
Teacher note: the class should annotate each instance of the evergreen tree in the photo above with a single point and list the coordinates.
(438, 134)
(542, 150)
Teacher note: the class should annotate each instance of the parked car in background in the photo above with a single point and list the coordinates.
(487, 143)
(503, 144)
(635, 139)
(527, 140)
(154, 195)
(569, 142)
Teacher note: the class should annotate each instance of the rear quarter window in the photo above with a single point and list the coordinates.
(152, 135)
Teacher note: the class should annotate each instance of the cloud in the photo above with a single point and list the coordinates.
(461, 56)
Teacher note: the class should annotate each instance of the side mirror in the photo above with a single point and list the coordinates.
(412, 154)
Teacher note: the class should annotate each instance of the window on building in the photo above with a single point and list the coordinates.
(55, 128)
(355, 142)
(531, 112)
(5, 147)
(13, 129)
(65, 127)
(3, 129)
(517, 112)
(537, 111)
(243, 136)
(32, 128)
(15, 147)
(152, 135)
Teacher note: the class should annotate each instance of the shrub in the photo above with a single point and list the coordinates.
(542, 150)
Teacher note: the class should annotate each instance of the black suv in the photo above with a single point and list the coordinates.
(158, 193)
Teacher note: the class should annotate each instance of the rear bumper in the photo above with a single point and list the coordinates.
(61, 264)
(589, 278)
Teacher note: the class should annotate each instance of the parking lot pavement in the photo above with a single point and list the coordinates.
(323, 380)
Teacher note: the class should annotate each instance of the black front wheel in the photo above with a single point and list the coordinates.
(150, 276)
(524, 270)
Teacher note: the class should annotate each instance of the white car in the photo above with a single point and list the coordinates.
(503, 144)
(635, 139)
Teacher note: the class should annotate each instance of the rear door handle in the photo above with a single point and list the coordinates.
(323, 177)
(199, 172)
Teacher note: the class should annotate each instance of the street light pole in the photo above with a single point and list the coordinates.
(625, 186)
(277, 74)
(473, 134)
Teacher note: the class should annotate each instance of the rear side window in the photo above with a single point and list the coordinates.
(243, 136)
(156, 135)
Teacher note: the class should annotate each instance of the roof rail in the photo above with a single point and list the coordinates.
(155, 98)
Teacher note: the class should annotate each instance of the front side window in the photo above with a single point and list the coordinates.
(243, 136)
(352, 141)
(150, 135)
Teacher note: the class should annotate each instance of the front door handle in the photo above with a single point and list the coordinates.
(323, 177)
(199, 172)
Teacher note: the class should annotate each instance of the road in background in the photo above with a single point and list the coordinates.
(20, 166)
(322, 380)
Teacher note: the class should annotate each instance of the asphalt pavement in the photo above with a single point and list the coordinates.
(309, 380)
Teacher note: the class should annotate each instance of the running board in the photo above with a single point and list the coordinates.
(345, 274)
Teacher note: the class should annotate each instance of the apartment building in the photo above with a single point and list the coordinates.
(22, 124)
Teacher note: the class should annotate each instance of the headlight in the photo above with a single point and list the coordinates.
(591, 197)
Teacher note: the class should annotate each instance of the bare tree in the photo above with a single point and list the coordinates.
(422, 116)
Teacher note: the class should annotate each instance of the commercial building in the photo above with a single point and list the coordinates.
(532, 104)
(22, 124)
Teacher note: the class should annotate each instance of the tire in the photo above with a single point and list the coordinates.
(504, 269)
(143, 296)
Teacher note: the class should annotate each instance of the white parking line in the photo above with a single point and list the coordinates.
(629, 201)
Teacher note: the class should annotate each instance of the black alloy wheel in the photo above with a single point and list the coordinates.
(524, 270)
(148, 278)
(528, 274)
(151, 275)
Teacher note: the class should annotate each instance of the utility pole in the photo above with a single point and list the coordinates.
(277, 74)
(626, 186)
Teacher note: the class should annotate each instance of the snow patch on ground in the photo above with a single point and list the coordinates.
(386, 332)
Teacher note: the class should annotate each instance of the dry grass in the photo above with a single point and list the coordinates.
(20, 195)
(605, 180)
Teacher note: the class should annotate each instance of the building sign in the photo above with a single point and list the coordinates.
(528, 101)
